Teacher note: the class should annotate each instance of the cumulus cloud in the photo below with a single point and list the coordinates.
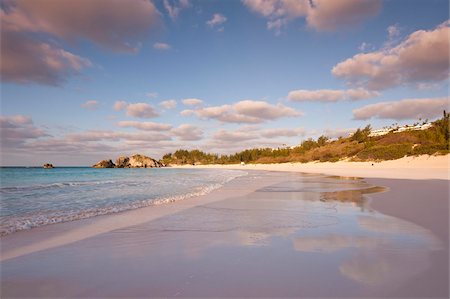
(187, 132)
(27, 57)
(141, 110)
(161, 46)
(25, 60)
(187, 112)
(174, 8)
(216, 20)
(145, 126)
(327, 15)
(321, 15)
(17, 130)
(192, 102)
(113, 24)
(421, 58)
(90, 105)
(331, 95)
(247, 111)
(404, 109)
(169, 104)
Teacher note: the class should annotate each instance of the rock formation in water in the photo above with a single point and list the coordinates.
(135, 161)
(48, 165)
(123, 162)
(104, 164)
(140, 161)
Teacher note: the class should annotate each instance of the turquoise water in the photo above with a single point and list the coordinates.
(32, 197)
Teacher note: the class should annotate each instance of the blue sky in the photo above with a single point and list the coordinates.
(263, 73)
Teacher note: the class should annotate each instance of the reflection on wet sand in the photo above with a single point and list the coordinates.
(301, 237)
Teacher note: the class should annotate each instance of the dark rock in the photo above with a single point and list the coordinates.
(104, 164)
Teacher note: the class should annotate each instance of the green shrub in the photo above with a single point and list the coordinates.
(428, 149)
(387, 152)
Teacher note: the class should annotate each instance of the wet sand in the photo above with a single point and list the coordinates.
(267, 234)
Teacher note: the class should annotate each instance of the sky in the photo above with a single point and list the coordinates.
(83, 81)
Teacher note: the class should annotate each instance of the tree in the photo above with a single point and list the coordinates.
(322, 140)
(361, 135)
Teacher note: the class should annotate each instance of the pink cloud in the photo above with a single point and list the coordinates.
(404, 109)
(25, 60)
(169, 104)
(161, 46)
(27, 57)
(90, 105)
(141, 110)
(247, 111)
(145, 126)
(327, 15)
(321, 15)
(187, 132)
(421, 58)
(331, 95)
(17, 130)
(113, 24)
(174, 9)
(120, 105)
(216, 20)
(192, 102)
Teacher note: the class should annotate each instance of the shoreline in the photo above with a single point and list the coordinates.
(159, 229)
(413, 168)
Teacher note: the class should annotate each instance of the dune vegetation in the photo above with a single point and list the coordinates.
(360, 146)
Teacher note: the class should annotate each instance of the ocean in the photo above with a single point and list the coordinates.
(32, 197)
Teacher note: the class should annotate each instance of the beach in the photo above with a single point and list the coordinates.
(352, 230)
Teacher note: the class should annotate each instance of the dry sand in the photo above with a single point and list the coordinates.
(413, 168)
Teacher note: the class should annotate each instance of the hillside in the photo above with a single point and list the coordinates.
(358, 147)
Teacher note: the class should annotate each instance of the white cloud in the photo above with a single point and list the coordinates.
(216, 20)
(187, 132)
(192, 102)
(331, 95)
(404, 109)
(161, 46)
(90, 105)
(145, 126)
(169, 104)
(421, 58)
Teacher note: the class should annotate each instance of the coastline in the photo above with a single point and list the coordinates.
(413, 168)
(140, 235)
